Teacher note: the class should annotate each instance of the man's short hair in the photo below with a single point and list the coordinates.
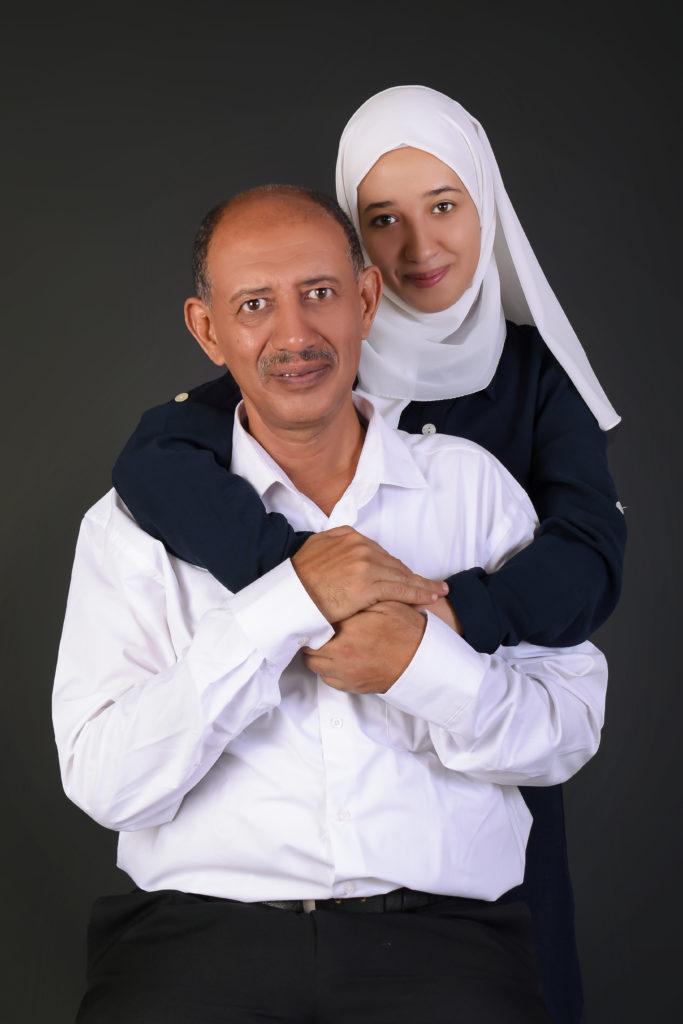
(200, 249)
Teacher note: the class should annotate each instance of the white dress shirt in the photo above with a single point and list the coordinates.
(186, 719)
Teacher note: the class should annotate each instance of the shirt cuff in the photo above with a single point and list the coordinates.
(277, 615)
(443, 678)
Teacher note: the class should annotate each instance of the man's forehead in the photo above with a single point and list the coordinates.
(254, 212)
(277, 232)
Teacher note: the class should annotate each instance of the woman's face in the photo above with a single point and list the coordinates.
(420, 227)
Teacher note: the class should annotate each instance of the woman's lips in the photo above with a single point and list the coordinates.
(428, 279)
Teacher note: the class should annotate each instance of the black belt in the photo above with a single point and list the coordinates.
(387, 903)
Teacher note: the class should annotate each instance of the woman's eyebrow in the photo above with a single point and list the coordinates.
(439, 190)
(379, 206)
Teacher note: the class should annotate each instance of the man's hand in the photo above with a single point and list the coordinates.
(344, 573)
(370, 650)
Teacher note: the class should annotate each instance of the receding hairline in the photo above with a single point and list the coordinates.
(292, 202)
(262, 207)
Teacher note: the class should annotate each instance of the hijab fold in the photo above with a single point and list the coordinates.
(411, 355)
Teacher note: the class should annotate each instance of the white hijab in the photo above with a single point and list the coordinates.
(429, 356)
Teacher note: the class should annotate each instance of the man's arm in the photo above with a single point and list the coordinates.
(141, 715)
(144, 703)
(524, 716)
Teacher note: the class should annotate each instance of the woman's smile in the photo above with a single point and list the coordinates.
(427, 278)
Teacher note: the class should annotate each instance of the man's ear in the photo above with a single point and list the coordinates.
(200, 324)
(370, 287)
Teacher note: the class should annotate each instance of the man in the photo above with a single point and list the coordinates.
(314, 779)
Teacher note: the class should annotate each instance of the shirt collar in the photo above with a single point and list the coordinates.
(384, 459)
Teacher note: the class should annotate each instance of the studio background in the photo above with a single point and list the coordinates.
(121, 128)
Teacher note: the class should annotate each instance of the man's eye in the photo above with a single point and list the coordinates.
(444, 206)
(319, 294)
(383, 220)
(253, 305)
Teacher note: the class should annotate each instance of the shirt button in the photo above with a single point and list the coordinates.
(182, 397)
(349, 887)
(429, 428)
(344, 815)
(304, 641)
(336, 722)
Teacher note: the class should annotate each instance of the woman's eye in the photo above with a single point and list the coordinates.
(253, 305)
(318, 294)
(383, 220)
(444, 206)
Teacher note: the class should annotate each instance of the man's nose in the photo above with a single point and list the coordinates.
(418, 242)
(291, 329)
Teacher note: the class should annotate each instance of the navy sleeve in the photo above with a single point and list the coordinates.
(173, 475)
(566, 583)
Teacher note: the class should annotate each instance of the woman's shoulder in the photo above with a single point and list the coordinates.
(556, 400)
(526, 357)
(213, 399)
(202, 417)
(522, 343)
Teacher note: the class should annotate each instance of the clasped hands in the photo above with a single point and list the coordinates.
(372, 599)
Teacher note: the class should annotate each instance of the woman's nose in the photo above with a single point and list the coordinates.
(418, 244)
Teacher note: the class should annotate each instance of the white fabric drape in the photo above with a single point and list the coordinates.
(411, 355)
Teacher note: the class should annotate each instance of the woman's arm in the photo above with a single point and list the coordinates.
(173, 475)
(566, 583)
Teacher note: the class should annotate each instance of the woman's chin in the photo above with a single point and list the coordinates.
(425, 297)
(430, 300)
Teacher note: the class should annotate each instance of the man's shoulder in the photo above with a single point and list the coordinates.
(110, 532)
(433, 448)
(454, 465)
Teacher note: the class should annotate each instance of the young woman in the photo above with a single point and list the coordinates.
(418, 178)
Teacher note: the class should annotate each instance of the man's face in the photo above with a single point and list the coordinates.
(287, 311)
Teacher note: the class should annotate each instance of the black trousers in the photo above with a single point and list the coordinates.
(176, 958)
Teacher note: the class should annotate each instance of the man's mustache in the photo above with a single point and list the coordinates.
(314, 355)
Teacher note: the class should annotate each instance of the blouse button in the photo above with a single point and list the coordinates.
(429, 428)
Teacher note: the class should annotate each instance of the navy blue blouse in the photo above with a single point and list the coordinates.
(173, 475)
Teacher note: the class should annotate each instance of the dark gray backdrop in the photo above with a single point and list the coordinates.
(121, 128)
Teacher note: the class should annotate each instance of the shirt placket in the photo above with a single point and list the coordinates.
(338, 737)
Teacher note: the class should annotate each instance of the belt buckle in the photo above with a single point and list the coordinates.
(308, 905)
